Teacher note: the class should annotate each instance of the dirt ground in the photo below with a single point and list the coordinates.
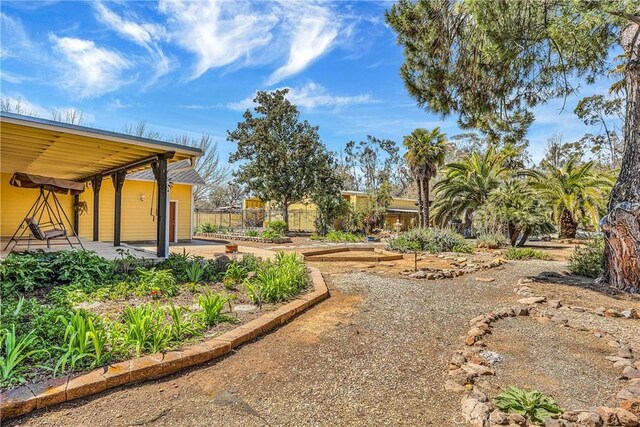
(376, 353)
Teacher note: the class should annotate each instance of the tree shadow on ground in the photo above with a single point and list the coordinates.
(555, 278)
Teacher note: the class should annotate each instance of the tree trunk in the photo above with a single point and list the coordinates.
(568, 225)
(425, 201)
(525, 236)
(621, 226)
(420, 201)
(513, 234)
(285, 213)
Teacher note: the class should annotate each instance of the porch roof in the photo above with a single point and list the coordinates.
(45, 147)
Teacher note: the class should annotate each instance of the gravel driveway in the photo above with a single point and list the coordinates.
(374, 354)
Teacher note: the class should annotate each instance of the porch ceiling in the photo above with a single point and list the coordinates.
(60, 150)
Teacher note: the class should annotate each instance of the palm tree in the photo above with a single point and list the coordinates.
(574, 191)
(426, 151)
(467, 183)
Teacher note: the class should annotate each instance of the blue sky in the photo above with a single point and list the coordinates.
(194, 67)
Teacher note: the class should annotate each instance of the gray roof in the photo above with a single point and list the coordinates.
(179, 172)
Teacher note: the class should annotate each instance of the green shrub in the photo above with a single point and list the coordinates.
(195, 271)
(178, 263)
(491, 240)
(588, 260)
(83, 268)
(271, 234)
(144, 329)
(336, 236)
(251, 233)
(157, 281)
(24, 273)
(432, 240)
(278, 226)
(15, 351)
(182, 325)
(277, 280)
(532, 405)
(526, 253)
(212, 306)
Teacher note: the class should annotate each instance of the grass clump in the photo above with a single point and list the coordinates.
(588, 260)
(532, 405)
(277, 280)
(491, 240)
(337, 236)
(526, 253)
(431, 240)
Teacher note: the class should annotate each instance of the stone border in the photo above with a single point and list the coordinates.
(27, 398)
(430, 273)
(320, 255)
(466, 365)
(243, 238)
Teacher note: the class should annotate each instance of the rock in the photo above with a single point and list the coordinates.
(627, 418)
(520, 311)
(630, 313)
(543, 320)
(599, 311)
(475, 332)
(578, 309)
(388, 264)
(470, 340)
(626, 352)
(629, 393)
(458, 359)
(491, 357)
(621, 364)
(632, 405)
(461, 260)
(552, 422)
(498, 417)
(554, 303)
(518, 419)
(613, 343)
(473, 368)
(476, 413)
(245, 308)
(532, 300)
(524, 280)
(485, 279)
(611, 313)
(419, 275)
(637, 364)
(608, 415)
(589, 419)
(615, 358)
(630, 372)
(477, 319)
(221, 262)
(453, 387)
(461, 377)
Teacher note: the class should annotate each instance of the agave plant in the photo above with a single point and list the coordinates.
(530, 404)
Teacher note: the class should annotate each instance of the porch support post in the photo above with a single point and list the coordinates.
(76, 215)
(96, 183)
(160, 171)
(118, 181)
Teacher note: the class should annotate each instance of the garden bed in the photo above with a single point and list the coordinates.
(243, 238)
(72, 311)
(357, 254)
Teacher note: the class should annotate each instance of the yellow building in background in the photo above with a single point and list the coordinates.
(302, 215)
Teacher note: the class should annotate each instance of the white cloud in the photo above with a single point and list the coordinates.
(89, 70)
(18, 104)
(310, 96)
(146, 35)
(219, 33)
(14, 37)
(314, 33)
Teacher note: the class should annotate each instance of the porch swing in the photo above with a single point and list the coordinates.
(46, 220)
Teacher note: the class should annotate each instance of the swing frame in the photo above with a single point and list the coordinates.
(57, 216)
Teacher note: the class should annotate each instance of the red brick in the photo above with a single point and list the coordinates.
(50, 392)
(196, 354)
(86, 384)
(17, 402)
(171, 361)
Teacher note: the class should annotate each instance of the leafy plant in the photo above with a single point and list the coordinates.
(588, 260)
(23, 273)
(251, 233)
(236, 272)
(157, 280)
(144, 328)
(212, 306)
(182, 324)
(530, 404)
(432, 240)
(83, 340)
(342, 236)
(195, 271)
(14, 352)
(84, 268)
(271, 234)
(526, 253)
(277, 226)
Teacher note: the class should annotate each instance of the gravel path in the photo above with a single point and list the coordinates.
(376, 353)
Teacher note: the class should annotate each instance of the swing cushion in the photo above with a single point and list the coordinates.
(41, 234)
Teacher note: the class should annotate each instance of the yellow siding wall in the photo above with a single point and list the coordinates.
(403, 204)
(137, 222)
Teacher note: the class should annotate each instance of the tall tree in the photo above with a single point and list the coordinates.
(491, 61)
(607, 113)
(279, 153)
(426, 151)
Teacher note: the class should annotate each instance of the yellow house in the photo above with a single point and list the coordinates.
(135, 189)
(302, 215)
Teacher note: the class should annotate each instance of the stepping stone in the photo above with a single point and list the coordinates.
(532, 300)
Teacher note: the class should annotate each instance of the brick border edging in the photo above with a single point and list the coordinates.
(243, 238)
(22, 400)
